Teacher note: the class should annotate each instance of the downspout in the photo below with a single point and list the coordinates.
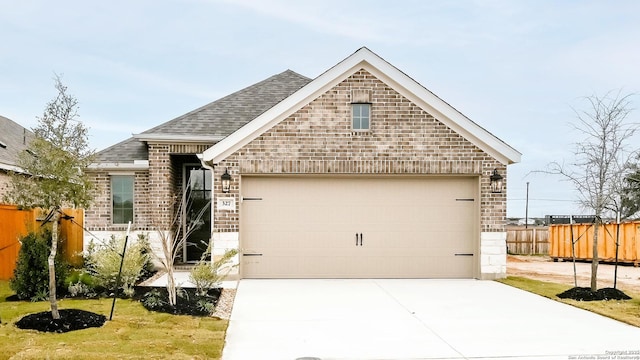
(211, 168)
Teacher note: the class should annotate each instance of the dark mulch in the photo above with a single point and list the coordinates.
(585, 294)
(187, 303)
(70, 320)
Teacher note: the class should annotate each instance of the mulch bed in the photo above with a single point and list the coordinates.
(585, 294)
(70, 320)
(188, 303)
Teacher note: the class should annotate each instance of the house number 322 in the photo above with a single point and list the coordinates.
(227, 203)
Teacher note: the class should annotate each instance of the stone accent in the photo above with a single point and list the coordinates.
(222, 242)
(493, 255)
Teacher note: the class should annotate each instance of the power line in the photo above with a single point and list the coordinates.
(530, 199)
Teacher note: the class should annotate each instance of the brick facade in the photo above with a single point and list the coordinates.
(98, 215)
(155, 189)
(318, 139)
(403, 139)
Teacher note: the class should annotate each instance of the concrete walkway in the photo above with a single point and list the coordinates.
(412, 319)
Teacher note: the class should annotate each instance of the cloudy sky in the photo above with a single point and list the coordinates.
(517, 68)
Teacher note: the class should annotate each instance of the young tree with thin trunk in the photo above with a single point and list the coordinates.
(174, 237)
(54, 170)
(601, 159)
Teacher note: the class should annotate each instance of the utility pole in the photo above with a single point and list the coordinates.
(526, 210)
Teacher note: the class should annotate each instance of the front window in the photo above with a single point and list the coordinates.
(122, 198)
(361, 117)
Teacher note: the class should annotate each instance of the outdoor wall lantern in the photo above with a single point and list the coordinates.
(226, 181)
(496, 182)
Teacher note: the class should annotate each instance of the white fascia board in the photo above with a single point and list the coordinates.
(9, 167)
(399, 81)
(443, 112)
(137, 165)
(171, 138)
(282, 110)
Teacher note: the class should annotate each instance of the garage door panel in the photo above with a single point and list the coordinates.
(411, 227)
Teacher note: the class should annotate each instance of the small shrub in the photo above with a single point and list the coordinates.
(40, 295)
(206, 275)
(148, 270)
(153, 300)
(31, 275)
(80, 283)
(79, 276)
(206, 306)
(103, 262)
(80, 289)
(182, 293)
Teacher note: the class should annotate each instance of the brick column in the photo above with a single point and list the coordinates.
(160, 186)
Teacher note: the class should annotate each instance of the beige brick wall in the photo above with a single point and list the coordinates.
(98, 215)
(155, 190)
(404, 139)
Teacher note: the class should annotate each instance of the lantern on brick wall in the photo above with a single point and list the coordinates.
(226, 181)
(496, 182)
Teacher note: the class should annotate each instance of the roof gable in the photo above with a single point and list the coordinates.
(396, 79)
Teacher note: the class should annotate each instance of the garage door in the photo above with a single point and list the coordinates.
(354, 227)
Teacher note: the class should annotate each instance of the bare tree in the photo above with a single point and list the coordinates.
(54, 170)
(602, 158)
(174, 237)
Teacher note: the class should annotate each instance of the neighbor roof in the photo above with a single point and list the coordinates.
(13, 139)
(364, 58)
(213, 121)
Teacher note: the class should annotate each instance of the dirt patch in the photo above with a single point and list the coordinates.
(545, 269)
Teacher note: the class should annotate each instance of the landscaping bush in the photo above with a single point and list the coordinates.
(207, 275)
(79, 283)
(103, 263)
(31, 275)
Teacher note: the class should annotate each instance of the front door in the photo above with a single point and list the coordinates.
(197, 186)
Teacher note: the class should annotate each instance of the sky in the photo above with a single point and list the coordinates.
(520, 69)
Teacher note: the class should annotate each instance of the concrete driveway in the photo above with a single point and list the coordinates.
(412, 319)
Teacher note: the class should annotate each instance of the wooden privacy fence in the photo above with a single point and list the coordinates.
(629, 250)
(15, 223)
(527, 241)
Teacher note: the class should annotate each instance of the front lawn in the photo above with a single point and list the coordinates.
(627, 311)
(134, 333)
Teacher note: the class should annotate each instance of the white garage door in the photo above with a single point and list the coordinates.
(355, 227)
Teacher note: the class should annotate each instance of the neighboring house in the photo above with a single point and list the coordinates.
(358, 173)
(13, 139)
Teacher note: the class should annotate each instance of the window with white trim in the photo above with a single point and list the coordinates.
(360, 116)
(122, 199)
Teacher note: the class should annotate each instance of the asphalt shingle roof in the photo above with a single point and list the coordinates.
(217, 119)
(13, 139)
(124, 151)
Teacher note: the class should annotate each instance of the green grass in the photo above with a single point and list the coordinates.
(627, 311)
(134, 333)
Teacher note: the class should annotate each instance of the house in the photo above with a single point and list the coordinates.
(359, 173)
(13, 139)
